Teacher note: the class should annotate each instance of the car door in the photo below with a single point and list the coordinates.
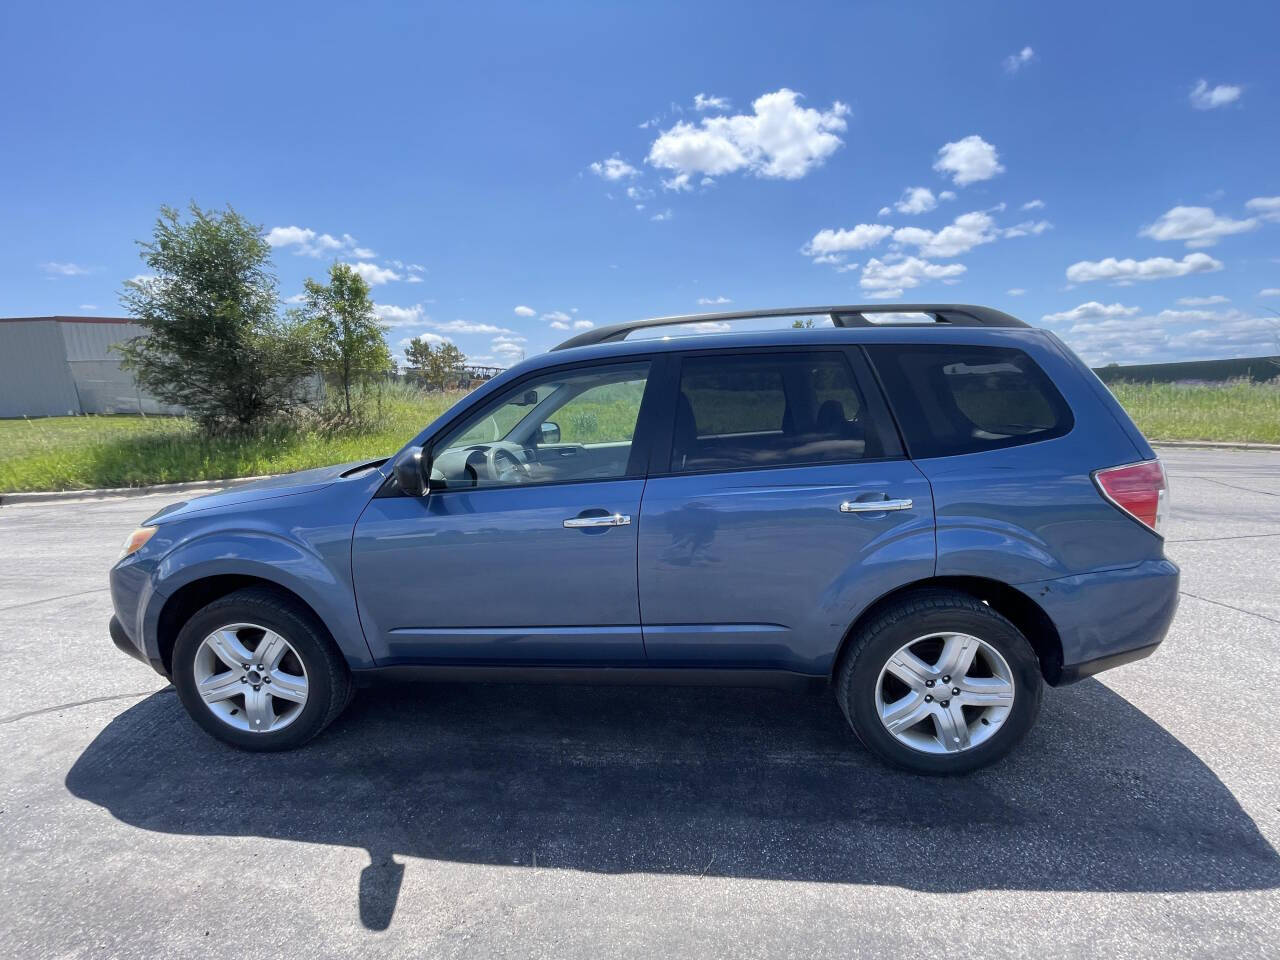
(524, 550)
(778, 505)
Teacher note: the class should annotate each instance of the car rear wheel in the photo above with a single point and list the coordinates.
(939, 683)
(256, 670)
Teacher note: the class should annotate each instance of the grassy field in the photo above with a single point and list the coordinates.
(76, 453)
(1239, 411)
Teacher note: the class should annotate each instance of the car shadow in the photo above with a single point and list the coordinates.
(724, 782)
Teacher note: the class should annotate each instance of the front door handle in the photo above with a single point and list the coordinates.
(873, 506)
(608, 520)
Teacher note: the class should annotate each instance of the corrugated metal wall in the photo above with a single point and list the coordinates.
(35, 379)
(103, 387)
(55, 367)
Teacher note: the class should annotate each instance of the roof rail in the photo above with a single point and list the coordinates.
(855, 315)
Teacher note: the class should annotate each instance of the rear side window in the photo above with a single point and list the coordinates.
(761, 410)
(953, 399)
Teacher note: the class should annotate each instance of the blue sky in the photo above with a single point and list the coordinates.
(1111, 171)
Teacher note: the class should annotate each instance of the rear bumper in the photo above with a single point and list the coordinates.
(1109, 618)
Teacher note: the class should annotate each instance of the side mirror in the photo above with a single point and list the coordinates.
(411, 472)
(549, 432)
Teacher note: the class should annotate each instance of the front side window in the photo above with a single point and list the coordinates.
(953, 399)
(571, 425)
(761, 410)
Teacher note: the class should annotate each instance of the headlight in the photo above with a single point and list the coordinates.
(136, 541)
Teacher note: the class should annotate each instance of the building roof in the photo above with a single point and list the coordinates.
(68, 319)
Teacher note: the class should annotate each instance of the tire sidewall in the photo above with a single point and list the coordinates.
(987, 626)
(301, 635)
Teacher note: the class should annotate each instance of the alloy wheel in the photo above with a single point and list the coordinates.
(944, 693)
(250, 678)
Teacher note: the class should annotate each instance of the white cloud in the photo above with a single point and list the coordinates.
(296, 298)
(394, 316)
(523, 311)
(891, 279)
(884, 211)
(1028, 228)
(88, 306)
(582, 324)
(1170, 335)
(559, 325)
(1016, 61)
(638, 193)
(1033, 205)
(614, 168)
(828, 242)
(702, 101)
(466, 326)
(64, 269)
(1015, 291)
(557, 316)
(374, 275)
(967, 231)
(1202, 301)
(432, 338)
(679, 183)
(1198, 226)
(916, 200)
(712, 301)
(1269, 292)
(1268, 208)
(1204, 97)
(662, 215)
(307, 242)
(1093, 310)
(1128, 270)
(968, 161)
(780, 139)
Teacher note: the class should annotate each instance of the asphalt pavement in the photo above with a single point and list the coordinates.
(1140, 818)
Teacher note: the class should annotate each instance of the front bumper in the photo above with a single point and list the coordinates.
(120, 637)
(1108, 618)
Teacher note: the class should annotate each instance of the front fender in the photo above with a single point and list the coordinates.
(322, 583)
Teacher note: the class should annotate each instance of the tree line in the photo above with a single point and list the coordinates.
(218, 344)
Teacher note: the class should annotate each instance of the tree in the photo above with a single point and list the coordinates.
(805, 324)
(349, 341)
(417, 356)
(214, 342)
(444, 365)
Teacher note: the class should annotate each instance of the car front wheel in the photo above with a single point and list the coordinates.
(939, 683)
(256, 670)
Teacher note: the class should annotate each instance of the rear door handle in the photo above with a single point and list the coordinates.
(609, 520)
(873, 506)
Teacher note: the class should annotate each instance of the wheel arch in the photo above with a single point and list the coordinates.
(1012, 604)
(191, 597)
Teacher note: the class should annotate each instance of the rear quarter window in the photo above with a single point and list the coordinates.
(952, 399)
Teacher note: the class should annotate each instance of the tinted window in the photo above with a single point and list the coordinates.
(756, 410)
(960, 399)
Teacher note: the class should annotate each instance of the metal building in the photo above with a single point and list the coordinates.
(60, 366)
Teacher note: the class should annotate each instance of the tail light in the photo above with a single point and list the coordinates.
(1139, 489)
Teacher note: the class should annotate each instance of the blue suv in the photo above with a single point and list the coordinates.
(934, 509)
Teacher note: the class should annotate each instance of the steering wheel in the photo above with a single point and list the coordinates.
(504, 467)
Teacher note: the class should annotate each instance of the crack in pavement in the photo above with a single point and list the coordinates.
(1219, 603)
(15, 717)
(1239, 536)
(65, 596)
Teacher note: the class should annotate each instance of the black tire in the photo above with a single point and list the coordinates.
(920, 614)
(329, 687)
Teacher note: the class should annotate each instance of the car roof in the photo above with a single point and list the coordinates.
(920, 333)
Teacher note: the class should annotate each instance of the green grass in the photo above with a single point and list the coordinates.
(77, 453)
(1238, 411)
